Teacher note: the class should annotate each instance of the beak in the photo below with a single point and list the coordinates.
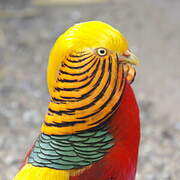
(129, 57)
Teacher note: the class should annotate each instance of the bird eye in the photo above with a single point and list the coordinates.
(101, 51)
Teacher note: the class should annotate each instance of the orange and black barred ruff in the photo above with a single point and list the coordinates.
(87, 92)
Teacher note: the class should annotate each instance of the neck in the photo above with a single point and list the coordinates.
(125, 127)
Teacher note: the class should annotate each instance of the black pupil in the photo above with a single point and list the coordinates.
(102, 51)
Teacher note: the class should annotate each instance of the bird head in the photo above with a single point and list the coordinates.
(93, 36)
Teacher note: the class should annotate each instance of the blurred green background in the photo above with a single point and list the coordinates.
(28, 30)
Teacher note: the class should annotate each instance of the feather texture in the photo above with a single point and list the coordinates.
(30, 172)
(71, 151)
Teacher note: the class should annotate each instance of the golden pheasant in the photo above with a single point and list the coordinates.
(91, 130)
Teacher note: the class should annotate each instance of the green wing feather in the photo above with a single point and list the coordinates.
(74, 151)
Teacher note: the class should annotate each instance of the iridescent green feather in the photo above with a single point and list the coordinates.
(67, 152)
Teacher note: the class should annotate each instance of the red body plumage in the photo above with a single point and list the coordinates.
(121, 161)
